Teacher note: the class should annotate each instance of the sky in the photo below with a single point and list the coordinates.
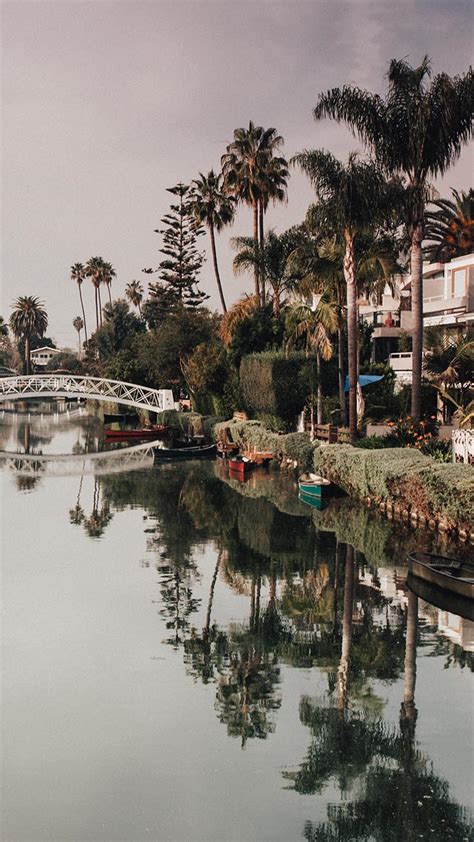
(106, 104)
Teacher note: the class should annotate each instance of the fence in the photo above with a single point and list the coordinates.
(463, 446)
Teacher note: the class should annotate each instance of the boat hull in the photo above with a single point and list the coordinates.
(441, 598)
(126, 435)
(443, 573)
(311, 489)
(163, 454)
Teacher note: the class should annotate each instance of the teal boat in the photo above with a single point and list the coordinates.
(313, 485)
(312, 500)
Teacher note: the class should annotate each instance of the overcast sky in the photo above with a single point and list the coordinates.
(105, 104)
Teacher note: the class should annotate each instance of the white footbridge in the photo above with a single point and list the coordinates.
(79, 386)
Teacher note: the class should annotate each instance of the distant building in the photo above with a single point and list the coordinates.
(40, 357)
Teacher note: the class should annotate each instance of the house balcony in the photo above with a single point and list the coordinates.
(442, 304)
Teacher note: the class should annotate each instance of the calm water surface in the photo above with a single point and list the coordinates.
(186, 658)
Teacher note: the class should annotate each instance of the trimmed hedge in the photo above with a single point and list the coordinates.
(275, 384)
(405, 476)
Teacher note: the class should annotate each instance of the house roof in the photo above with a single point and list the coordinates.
(46, 348)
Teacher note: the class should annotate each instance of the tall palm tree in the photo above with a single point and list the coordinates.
(212, 206)
(29, 317)
(108, 273)
(247, 169)
(78, 324)
(315, 327)
(450, 228)
(134, 293)
(417, 132)
(273, 260)
(350, 199)
(78, 274)
(95, 271)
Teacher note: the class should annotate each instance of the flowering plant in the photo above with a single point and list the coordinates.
(406, 432)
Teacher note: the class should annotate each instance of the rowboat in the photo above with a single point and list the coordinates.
(314, 485)
(145, 433)
(200, 451)
(447, 573)
(312, 500)
(240, 465)
(446, 600)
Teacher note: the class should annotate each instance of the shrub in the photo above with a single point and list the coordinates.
(404, 475)
(275, 384)
(251, 435)
(406, 432)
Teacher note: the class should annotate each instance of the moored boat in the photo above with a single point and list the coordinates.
(240, 465)
(314, 485)
(446, 573)
(145, 433)
(200, 451)
(313, 500)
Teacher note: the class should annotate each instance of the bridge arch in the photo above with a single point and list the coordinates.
(52, 385)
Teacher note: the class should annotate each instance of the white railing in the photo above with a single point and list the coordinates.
(463, 446)
(95, 388)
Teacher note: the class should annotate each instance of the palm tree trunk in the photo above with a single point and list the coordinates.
(261, 239)
(349, 275)
(83, 311)
(343, 671)
(110, 294)
(319, 393)
(100, 306)
(211, 595)
(96, 307)
(79, 342)
(255, 240)
(27, 355)
(340, 373)
(416, 263)
(216, 268)
(408, 709)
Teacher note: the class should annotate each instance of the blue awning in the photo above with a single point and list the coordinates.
(364, 380)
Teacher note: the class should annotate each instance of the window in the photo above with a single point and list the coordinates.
(458, 282)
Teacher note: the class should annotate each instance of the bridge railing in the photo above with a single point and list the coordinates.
(92, 387)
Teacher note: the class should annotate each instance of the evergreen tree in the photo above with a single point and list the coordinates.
(180, 269)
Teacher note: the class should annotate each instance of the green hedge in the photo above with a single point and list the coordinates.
(402, 475)
(275, 384)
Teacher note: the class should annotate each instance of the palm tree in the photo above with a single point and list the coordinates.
(273, 260)
(240, 310)
(78, 324)
(94, 271)
(29, 317)
(450, 228)
(247, 168)
(315, 326)
(3, 327)
(78, 273)
(416, 132)
(134, 293)
(351, 198)
(213, 207)
(108, 273)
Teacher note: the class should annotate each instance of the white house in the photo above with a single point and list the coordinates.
(40, 357)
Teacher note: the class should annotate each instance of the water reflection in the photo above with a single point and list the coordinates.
(318, 592)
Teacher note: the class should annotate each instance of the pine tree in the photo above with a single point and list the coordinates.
(179, 271)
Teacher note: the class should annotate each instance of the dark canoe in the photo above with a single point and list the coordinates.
(151, 433)
(201, 451)
(441, 598)
(446, 573)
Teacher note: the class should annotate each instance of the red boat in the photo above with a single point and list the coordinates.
(240, 465)
(152, 433)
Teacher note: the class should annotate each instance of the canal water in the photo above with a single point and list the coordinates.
(186, 657)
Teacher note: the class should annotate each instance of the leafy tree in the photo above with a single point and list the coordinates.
(180, 269)
(160, 304)
(78, 274)
(212, 207)
(417, 131)
(450, 227)
(273, 260)
(117, 331)
(29, 317)
(351, 198)
(65, 360)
